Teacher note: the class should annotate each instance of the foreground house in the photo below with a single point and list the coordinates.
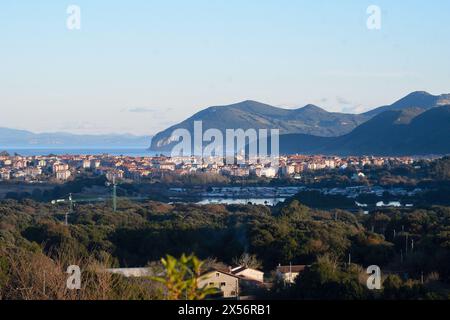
(226, 282)
(248, 273)
(289, 273)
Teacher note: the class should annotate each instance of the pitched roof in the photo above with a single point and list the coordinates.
(242, 268)
(212, 270)
(293, 268)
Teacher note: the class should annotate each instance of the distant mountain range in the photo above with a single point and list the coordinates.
(410, 131)
(310, 119)
(414, 125)
(13, 138)
(418, 99)
(418, 124)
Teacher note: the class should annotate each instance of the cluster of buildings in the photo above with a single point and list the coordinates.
(62, 168)
(296, 164)
(230, 282)
(36, 169)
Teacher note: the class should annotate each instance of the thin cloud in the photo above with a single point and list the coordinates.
(381, 74)
(342, 100)
(140, 110)
(146, 110)
(354, 109)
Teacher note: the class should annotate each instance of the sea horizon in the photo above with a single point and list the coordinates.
(115, 151)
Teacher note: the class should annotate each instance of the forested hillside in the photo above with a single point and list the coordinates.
(139, 234)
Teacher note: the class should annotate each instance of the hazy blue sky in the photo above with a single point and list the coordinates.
(138, 66)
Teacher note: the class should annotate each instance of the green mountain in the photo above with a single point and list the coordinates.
(311, 129)
(418, 99)
(404, 132)
(251, 114)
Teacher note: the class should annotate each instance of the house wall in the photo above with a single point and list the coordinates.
(288, 277)
(229, 285)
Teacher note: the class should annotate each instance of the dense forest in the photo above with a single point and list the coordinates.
(411, 246)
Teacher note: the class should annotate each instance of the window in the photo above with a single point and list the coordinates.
(217, 274)
(223, 284)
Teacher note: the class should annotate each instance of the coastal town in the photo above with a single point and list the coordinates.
(62, 168)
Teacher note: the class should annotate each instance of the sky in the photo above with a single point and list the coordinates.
(139, 66)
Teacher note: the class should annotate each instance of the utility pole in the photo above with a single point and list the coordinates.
(114, 194)
(290, 273)
(406, 244)
(43, 286)
(66, 218)
(70, 202)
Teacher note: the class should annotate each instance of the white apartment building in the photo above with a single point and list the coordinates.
(63, 175)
